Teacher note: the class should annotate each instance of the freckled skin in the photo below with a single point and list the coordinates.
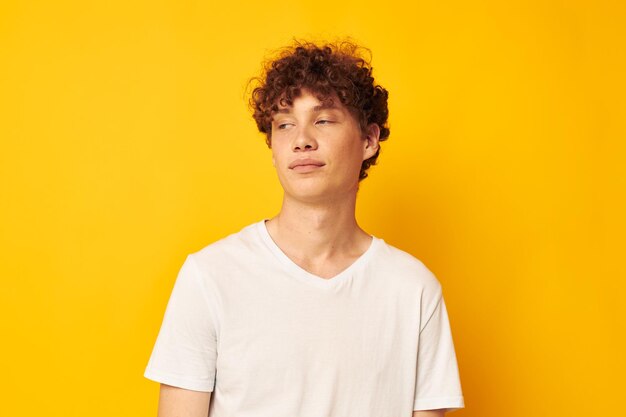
(331, 136)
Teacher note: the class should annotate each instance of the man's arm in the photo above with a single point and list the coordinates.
(429, 413)
(178, 402)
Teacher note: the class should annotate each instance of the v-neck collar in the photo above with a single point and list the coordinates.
(304, 275)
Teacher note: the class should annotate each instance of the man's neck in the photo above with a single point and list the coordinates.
(320, 234)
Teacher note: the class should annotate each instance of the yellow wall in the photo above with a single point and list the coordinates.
(126, 144)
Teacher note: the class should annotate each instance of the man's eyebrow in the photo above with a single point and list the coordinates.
(318, 108)
(325, 106)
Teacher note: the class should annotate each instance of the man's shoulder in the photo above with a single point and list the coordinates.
(396, 257)
(402, 264)
(236, 244)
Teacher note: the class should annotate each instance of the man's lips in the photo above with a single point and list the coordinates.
(306, 162)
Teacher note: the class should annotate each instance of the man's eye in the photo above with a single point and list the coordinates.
(283, 126)
(324, 122)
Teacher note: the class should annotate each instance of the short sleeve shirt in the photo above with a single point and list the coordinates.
(270, 339)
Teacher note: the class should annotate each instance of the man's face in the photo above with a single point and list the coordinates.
(318, 149)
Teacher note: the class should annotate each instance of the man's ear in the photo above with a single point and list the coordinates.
(371, 142)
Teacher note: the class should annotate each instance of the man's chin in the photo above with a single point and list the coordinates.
(315, 195)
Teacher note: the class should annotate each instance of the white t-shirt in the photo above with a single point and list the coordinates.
(270, 339)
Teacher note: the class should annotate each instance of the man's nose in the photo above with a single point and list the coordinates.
(304, 140)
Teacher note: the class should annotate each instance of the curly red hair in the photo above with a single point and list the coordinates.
(325, 70)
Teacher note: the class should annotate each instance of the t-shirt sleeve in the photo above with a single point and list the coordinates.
(186, 348)
(438, 385)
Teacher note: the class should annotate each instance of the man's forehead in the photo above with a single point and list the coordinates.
(316, 100)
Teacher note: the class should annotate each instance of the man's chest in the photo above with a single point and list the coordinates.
(291, 340)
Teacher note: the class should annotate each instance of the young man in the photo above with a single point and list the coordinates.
(306, 314)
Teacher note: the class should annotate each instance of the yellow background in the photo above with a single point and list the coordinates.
(126, 144)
